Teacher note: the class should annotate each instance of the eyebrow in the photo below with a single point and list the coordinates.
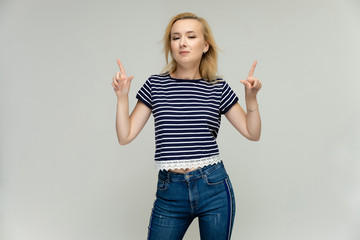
(186, 32)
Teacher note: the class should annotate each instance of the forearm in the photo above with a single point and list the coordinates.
(253, 119)
(122, 119)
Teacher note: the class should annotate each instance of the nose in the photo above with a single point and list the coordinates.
(183, 42)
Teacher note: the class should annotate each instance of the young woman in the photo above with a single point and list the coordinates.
(187, 102)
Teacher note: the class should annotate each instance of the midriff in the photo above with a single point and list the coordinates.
(183, 170)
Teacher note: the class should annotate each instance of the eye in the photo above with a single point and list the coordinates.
(175, 38)
(192, 36)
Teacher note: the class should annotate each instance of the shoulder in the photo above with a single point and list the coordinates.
(159, 76)
(156, 78)
(222, 83)
(219, 82)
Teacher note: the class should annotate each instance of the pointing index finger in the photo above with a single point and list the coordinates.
(122, 70)
(252, 69)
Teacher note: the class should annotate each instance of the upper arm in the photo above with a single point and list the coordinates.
(138, 119)
(237, 117)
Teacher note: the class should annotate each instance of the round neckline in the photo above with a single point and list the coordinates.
(182, 79)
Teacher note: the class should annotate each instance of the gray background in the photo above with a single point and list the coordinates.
(63, 174)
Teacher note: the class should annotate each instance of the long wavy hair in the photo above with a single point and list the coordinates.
(208, 63)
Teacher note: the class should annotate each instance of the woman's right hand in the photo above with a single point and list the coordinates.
(121, 82)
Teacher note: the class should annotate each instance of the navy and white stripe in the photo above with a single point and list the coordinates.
(187, 115)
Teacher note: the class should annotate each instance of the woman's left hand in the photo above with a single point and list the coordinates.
(252, 84)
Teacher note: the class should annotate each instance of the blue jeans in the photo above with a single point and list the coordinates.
(205, 193)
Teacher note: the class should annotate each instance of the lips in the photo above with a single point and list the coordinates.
(184, 52)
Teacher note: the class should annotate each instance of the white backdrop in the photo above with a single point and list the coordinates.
(63, 174)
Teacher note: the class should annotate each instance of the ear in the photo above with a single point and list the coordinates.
(206, 47)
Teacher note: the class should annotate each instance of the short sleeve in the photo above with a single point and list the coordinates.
(228, 98)
(144, 94)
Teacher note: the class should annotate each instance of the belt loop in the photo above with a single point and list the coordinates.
(202, 173)
(168, 177)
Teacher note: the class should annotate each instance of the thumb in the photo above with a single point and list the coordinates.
(246, 83)
(130, 78)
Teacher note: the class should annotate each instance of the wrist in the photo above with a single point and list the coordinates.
(250, 98)
(251, 104)
(252, 109)
(122, 98)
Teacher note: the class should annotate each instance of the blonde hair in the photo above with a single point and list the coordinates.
(208, 63)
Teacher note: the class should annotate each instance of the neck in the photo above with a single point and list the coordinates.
(186, 73)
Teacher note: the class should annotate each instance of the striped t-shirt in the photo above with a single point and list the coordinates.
(187, 115)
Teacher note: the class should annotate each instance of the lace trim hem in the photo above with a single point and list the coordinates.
(184, 164)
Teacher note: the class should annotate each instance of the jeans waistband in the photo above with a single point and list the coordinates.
(198, 173)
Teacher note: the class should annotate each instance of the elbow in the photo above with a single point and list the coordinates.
(254, 135)
(123, 142)
(254, 138)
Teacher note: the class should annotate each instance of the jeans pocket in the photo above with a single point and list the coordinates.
(216, 177)
(162, 185)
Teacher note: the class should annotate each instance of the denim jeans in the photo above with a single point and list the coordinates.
(205, 193)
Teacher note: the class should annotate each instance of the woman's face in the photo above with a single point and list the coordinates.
(187, 42)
